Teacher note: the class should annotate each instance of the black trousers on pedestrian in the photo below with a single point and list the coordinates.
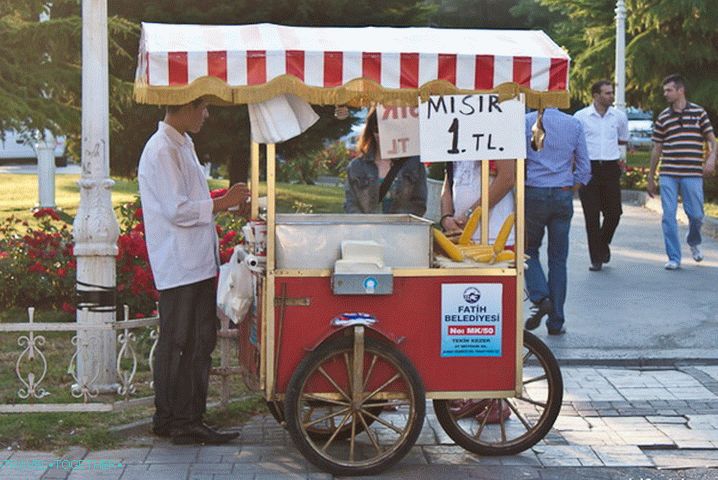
(188, 335)
(602, 195)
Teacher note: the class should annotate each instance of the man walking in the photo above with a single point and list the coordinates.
(182, 246)
(553, 173)
(679, 134)
(605, 128)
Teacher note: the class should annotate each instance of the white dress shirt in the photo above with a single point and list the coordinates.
(177, 210)
(603, 132)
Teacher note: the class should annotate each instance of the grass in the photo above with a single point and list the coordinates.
(19, 194)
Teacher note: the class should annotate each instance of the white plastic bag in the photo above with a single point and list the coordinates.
(235, 290)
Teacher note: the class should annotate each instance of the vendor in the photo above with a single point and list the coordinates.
(461, 196)
(378, 185)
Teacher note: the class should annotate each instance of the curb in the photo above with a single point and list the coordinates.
(641, 199)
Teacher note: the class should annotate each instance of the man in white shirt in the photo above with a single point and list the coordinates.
(183, 250)
(605, 128)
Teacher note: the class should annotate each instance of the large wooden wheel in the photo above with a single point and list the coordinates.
(355, 406)
(481, 428)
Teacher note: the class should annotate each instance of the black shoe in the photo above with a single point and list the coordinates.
(538, 311)
(557, 331)
(163, 432)
(607, 256)
(595, 267)
(200, 433)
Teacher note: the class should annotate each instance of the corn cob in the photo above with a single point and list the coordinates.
(470, 227)
(504, 233)
(474, 249)
(449, 248)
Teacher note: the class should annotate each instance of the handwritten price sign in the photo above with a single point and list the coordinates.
(471, 127)
(398, 131)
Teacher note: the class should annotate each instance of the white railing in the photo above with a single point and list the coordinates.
(31, 366)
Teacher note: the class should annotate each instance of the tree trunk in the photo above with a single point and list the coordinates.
(238, 168)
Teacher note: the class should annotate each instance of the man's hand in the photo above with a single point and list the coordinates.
(651, 187)
(235, 198)
(451, 226)
(576, 187)
(710, 166)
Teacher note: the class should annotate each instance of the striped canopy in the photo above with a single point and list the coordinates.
(252, 63)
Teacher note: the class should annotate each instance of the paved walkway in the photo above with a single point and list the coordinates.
(634, 310)
(615, 423)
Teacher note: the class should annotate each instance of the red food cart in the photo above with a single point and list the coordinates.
(351, 329)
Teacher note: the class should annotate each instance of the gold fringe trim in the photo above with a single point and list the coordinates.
(358, 92)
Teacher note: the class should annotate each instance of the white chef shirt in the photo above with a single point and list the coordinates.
(603, 133)
(177, 210)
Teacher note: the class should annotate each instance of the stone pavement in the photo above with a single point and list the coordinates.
(616, 422)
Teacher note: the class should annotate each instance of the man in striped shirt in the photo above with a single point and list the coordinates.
(679, 134)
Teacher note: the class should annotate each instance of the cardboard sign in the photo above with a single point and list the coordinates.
(471, 127)
(471, 317)
(398, 131)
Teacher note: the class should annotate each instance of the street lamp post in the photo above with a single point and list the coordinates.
(621, 55)
(95, 228)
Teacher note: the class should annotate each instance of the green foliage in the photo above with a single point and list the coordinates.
(663, 37)
(40, 67)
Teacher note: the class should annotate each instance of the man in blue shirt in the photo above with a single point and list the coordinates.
(553, 173)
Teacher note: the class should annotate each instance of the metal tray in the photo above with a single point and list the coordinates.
(314, 240)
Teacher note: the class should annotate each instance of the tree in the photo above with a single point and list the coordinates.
(664, 37)
(40, 69)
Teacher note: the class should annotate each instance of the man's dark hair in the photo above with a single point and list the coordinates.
(677, 80)
(176, 108)
(596, 87)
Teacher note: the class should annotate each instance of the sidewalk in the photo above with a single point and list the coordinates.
(615, 423)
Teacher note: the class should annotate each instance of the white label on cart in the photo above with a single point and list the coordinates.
(471, 319)
(471, 127)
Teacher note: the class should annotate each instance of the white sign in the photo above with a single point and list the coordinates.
(471, 127)
(398, 131)
(471, 317)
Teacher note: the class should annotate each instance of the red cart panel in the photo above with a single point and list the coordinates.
(412, 312)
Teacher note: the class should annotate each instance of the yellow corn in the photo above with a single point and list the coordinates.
(474, 249)
(482, 257)
(504, 233)
(505, 256)
(470, 227)
(451, 250)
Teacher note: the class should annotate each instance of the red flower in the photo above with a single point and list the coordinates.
(46, 212)
(61, 272)
(37, 267)
(4, 255)
(68, 307)
(138, 213)
(228, 237)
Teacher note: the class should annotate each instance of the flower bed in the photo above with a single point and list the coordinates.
(38, 268)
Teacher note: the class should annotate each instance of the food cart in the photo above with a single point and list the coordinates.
(350, 330)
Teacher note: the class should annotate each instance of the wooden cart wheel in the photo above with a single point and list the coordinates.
(480, 428)
(322, 392)
(321, 430)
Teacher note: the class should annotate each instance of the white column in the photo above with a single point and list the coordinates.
(621, 55)
(45, 152)
(95, 229)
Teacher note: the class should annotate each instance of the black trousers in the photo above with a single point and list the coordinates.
(602, 195)
(188, 335)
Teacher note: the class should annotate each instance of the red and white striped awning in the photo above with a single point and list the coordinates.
(252, 63)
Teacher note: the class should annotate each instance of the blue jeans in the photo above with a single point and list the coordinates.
(548, 209)
(691, 191)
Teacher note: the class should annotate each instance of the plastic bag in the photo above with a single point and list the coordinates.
(235, 290)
